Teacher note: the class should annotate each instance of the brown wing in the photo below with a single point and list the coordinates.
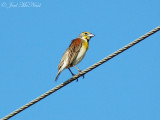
(74, 49)
(71, 53)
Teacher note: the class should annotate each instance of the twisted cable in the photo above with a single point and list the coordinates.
(81, 73)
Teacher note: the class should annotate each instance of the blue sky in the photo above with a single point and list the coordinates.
(33, 39)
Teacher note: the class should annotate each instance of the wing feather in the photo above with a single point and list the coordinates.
(69, 56)
(74, 49)
(71, 53)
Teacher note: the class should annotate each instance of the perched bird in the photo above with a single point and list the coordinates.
(75, 53)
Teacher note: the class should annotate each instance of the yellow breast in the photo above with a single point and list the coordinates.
(85, 44)
(81, 53)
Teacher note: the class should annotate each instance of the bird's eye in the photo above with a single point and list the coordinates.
(85, 33)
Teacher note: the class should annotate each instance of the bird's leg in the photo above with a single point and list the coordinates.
(78, 70)
(72, 73)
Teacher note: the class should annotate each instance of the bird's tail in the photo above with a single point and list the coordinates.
(61, 67)
(56, 78)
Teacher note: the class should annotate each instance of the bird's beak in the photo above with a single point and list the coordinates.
(91, 35)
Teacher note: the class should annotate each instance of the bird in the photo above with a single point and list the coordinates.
(74, 53)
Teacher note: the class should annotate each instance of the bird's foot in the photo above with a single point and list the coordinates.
(79, 72)
(74, 75)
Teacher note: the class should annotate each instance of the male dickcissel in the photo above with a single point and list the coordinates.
(75, 53)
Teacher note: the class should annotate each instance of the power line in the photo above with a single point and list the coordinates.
(81, 73)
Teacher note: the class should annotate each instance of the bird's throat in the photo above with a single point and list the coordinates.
(85, 44)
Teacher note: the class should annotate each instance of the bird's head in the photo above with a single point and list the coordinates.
(86, 36)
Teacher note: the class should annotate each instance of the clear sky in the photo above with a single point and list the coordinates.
(33, 39)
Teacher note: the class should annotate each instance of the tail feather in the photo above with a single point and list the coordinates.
(56, 78)
(61, 67)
